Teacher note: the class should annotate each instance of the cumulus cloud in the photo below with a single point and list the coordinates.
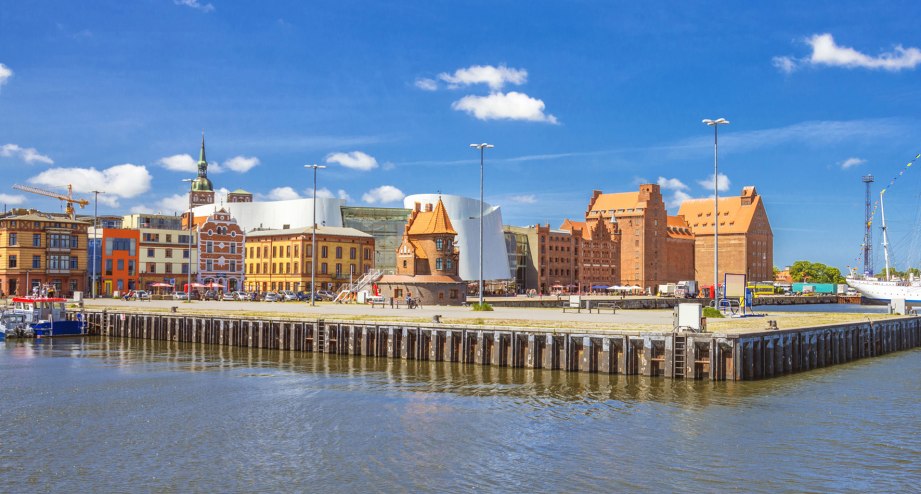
(852, 162)
(195, 4)
(5, 74)
(342, 194)
(494, 77)
(383, 195)
(241, 164)
(677, 197)
(722, 182)
(29, 155)
(180, 163)
(671, 184)
(282, 194)
(119, 181)
(828, 53)
(12, 199)
(524, 199)
(426, 84)
(504, 106)
(355, 160)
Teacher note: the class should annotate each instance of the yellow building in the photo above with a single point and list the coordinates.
(39, 250)
(281, 259)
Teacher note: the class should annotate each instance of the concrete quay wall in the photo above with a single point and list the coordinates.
(712, 356)
(656, 302)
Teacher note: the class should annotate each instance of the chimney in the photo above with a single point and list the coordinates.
(428, 208)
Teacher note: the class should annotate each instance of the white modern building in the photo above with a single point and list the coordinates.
(277, 215)
(465, 217)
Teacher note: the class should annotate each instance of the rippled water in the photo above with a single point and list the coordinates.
(106, 415)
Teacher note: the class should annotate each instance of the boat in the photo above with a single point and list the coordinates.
(40, 317)
(877, 291)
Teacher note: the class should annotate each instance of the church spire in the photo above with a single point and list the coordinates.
(202, 161)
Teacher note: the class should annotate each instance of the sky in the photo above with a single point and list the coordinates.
(575, 96)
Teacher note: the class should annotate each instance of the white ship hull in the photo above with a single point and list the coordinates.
(885, 291)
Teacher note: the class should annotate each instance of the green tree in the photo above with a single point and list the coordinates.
(815, 272)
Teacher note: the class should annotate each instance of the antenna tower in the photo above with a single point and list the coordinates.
(868, 233)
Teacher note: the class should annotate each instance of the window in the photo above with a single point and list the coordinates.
(295, 251)
(287, 268)
(209, 265)
(150, 253)
(439, 244)
(338, 252)
(323, 268)
(233, 266)
(185, 269)
(36, 240)
(151, 267)
(233, 247)
(309, 251)
(404, 263)
(439, 265)
(209, 247)
(131, 267)
(121, 265)
(108, 267)
(353, 252)
(12, 262)
(185, 253)
(73, 263)
(169, 268)
(295, 268)
(288, 251)
(441, 295)
(453, 294)
(397, 293)
(12, 239)
(274, 251)
(183, 239)
(36, 262)
(169, 252)
(449, 265)
(367, 254)
(338, 269)
(324, 252)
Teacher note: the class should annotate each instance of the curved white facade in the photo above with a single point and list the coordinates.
(296, 213)
(465, 216)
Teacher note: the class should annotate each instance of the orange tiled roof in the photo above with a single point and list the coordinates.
(734, 217)
(419, 251)
(678, 227)
(621, 200)
(571, 226)
(434, 222)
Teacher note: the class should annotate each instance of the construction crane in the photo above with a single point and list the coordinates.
(69, 200)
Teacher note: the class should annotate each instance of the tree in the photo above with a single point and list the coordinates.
(815, 272)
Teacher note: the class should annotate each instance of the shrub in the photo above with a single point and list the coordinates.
(711, 312)
(484, 307)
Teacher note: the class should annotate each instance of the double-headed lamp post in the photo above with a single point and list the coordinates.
(313, 240)
(716, 219)
(188, 284)
(482, 147)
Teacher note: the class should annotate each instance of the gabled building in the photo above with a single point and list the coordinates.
(596, 253)
(746, 241)
(40, 250)
(427, 260)
(221, 250)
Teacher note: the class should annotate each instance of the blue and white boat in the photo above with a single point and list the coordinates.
(40, 317)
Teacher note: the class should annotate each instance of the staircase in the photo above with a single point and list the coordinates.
(359, 285)
(679, 356)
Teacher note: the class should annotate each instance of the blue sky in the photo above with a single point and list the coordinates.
(575, 96)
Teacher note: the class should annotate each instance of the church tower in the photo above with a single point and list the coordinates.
(202, 190)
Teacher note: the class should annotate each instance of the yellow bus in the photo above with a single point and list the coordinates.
(761, 288)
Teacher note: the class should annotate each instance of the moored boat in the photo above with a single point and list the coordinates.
(40, 317)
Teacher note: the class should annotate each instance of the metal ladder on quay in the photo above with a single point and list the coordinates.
(321, 338)
(679, 356)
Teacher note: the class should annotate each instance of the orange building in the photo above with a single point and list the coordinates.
(119, 261)
(427, 260)
(39, 250)
(746, 242)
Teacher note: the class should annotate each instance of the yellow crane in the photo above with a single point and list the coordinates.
(69, 200)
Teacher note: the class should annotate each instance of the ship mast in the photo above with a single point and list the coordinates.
(882, 212)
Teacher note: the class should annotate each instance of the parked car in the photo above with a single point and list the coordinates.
(209, 295)
(271, 297)
(239, 295)
(288, 295)
(138, 295)
(180, 296)
(229, 296)
(326, 295)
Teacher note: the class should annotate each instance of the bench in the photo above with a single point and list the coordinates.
(612, 306)
(574, 303)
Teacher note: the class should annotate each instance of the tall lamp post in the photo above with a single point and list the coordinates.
(716, 220)
(95, 238)
(313, 241)
(188, 284)
(482, 147)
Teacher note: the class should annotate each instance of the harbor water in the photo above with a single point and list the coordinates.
(118, 415)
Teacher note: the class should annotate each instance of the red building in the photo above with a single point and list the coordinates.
(119, 261)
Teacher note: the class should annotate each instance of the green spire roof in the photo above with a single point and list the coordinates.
(201, 157)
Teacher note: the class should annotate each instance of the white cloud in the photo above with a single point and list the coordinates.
(504, 106)
(671, 184)
(195, 5)
(180, 163)
(5, 74)
(427, 84)
(119, 181)
(322, 193)
(282, 194)
(495, 77)
(176, 203)
(677, 198)
(383, 195)
(342, 194)
(29, 155)
(722, 183)
(826, 52)
(241, 164)
(355, 160)
(11, 199)
(852, 162)
(524, 199)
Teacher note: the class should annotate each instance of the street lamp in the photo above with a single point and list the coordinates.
(188, 284)
(482, 147)
(716, 220)
(95, 238)
(313, 241)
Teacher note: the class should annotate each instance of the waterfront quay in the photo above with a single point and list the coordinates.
(594, 343)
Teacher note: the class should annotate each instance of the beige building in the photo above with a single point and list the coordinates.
(163, 252)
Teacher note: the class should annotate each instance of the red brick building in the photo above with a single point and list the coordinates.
(427, 260)
(220, 250)
(746, 241)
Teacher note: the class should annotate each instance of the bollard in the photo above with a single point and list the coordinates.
(436, 318)
(173, 308)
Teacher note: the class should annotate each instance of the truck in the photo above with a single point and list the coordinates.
(667, 290)
(687, 289)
